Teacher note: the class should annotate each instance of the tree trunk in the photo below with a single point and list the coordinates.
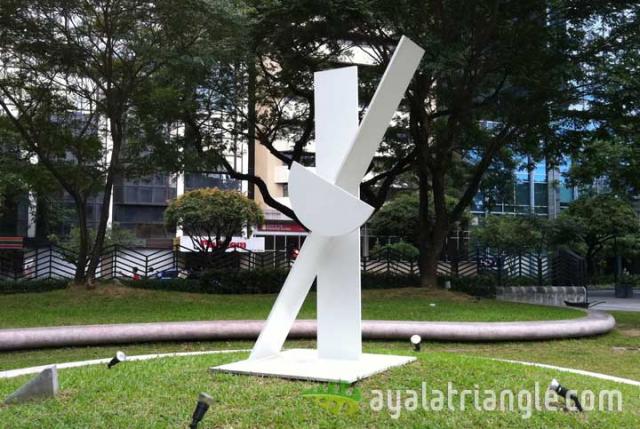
(428, 264)
(590, 259)
(251, 121)
(431, 241)
(432, 233)
(117, 136)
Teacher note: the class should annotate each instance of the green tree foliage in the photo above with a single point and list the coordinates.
(492, 81)
(402, 248)
(73, 74)
(114, 236)
(399, 217)
(514, 234)
(603, 141)
(255, 88)
(212, 216)
(591, 223)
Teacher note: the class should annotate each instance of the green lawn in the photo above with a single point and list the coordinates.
(161, 394)
(114, 304)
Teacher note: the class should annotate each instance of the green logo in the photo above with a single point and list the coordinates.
(336, 398)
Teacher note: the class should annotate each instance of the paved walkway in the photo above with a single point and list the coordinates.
(611, 303)
(594, 323)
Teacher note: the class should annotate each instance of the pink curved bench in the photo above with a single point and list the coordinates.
(594, 323)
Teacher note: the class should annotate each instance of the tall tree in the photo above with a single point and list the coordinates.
(592, 222)
(496, 76)
(604, 132)
(71, 71)
(211, 217)
(262, 94)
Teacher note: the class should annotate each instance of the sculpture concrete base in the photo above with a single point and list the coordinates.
(304, 364)
(45, 385)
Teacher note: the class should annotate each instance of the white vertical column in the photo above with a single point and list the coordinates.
(110, 218)
(532, 187)
(108, 153)
(339, 308)
(179, 192)
(32, 210)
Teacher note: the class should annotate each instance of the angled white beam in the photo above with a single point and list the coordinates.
(385, 101)
(290, 299)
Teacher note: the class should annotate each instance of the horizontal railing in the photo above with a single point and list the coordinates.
(54, 262)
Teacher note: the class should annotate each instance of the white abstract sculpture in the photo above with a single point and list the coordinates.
(328, 203)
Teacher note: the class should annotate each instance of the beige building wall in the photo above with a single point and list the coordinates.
(267, 167)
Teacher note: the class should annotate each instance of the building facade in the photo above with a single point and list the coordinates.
(541, 190)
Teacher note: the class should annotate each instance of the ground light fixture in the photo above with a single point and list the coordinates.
(564, 392)
(204, 402)
(119, 357)
(415, 341)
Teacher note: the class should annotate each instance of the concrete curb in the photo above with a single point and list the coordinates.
(11, 373)
(598, 375)
(594, 323)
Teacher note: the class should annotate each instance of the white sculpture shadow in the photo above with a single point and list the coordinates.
(328, 203)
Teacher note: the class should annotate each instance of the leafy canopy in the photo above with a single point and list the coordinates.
(400, 217)
(514, 233)
(212, 216)
(592, 221)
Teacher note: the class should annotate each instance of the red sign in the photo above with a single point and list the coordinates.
(254, 244)
(210, 244)
(11, 242)
(281, 227)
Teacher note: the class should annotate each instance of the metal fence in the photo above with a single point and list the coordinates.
(53, 262)
(561, 268)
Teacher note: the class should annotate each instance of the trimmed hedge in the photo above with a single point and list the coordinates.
(258, 281)
(30, 286)
(483, 286)
(221, 282)
(270, 281)
(389, 281)
(265, 281)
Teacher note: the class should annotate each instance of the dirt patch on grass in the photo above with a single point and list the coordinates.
(117, 290)
(630, 332)
(421, 293)
(625, 349)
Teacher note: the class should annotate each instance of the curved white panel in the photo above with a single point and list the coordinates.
(323, 207)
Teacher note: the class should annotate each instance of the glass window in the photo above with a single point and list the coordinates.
(269, 243)
(145, 195)
(541, 194)
(280, 242)
(567, 194)
(522, 194)
(138, 214)
(540, 172)
(131, 194)
(159, 195)
(293, 242)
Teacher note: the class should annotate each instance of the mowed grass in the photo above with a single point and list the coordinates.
(117, 304)
(162, 394)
